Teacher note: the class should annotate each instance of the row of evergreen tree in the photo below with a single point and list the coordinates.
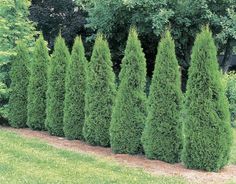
(71, 97)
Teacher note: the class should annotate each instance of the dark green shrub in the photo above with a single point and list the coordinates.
(19, 82)
(56, 87)
(231, 95)
(100, 94)
(74, 103)
(129, 112)
(4, 96)
(5, 66)
(162, 133)
(38, 86)
(207, 131)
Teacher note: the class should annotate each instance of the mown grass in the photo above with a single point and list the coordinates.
(233, 150)
(34, 162)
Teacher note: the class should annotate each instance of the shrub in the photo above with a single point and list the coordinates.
(4, 96)
(100, 94)
(74, 104)
(129, 112)
(162, 133)
(38, 86)
(207, 129)
(19, 82)
(56, 87)
(231, 95)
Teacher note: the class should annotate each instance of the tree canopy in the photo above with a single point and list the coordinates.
(62, 15)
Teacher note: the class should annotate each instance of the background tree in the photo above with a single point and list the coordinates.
(56, 87)
(100, 94)
(74, 112)
(188, 18)
(15, 25)
(38, 86)
(163, 131)
(109, 17)
(207, 131)
(129, 112)
(18, 97)
(151, 17)
(4, 96)
(227, 35)
(230, 84)
(64, 15)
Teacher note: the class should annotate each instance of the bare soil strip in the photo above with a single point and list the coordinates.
(138, 161)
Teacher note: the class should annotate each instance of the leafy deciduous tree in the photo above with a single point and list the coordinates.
(52, 16)
(15, 25)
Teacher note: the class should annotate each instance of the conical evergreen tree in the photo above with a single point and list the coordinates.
(162, 133)
(100, 94)
(38, 86)
(129, 113)
(19, 82)
(74, 109)
(56, 87)
(207, 129)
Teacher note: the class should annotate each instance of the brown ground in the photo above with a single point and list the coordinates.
(152, 166)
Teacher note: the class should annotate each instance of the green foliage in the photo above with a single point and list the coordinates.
(14, 25)
(231, 95)
(4, 95)
(100, 94)
(56, 87)
(38, 86)
(191, 15)
(207, 129)
(162, 136)
(129, 112)
(74, 103)
(149, 16)
(233, 149)
(64, 15)
(19, 83)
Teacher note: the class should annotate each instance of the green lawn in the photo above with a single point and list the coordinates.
(35, 162)
(233, 151)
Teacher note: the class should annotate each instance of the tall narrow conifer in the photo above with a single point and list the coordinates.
(129, 113)
(56, 87)
(162, 133)
(207, 130)
(74, 109)
(38, 86)
(100, 94)
(19, 83)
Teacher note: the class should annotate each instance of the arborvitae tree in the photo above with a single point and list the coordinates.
(162, 133)
(38, 86)
(100, 94)
(56, 87)
(129, 112)
(207, 132)
(19, 82)
(74, 104)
